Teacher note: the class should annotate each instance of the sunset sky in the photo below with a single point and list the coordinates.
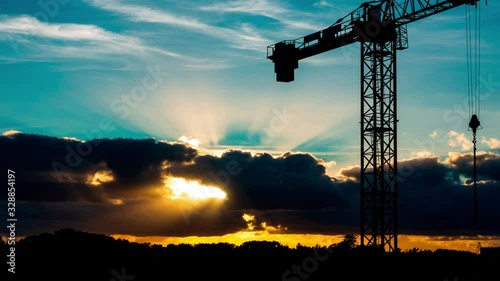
(162, 121)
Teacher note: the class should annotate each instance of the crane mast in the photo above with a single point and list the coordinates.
(380, 27)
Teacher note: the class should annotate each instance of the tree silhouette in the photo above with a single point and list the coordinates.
(349, 241)
(69, 254)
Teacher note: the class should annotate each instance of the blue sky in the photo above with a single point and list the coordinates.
(200, 67)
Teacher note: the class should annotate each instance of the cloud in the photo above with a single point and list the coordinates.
(64, 169)
(253, 224)
(290, 181)
(434, 199)
(120, 178)
(28, 25)
(433, 134)
(256, 7)
(323, 3)
(10, 133)
(80, 39)
(488, 164)
(100, 185)
(106, 182)
(422, 154)
(244, 37)
(492, 143)
(189, 140)
(208, 66)
(266, 8)
(457, 139)
(134, 216)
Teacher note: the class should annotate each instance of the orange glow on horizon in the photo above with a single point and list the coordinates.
(238, 238)
(406, 242)
(260, 231)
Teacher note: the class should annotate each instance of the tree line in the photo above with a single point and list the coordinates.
(69, 254)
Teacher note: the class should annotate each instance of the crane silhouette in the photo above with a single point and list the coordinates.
(381, 29)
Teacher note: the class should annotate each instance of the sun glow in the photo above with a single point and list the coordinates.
(186, 189)
(116, 201)
(191, 141)
(100, 177)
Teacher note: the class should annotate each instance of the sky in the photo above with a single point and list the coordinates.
(115, 112)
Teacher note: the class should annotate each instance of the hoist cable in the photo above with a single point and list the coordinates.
(467, 38)
(479, 64)
(476, 60)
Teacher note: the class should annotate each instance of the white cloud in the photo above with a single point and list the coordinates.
(28, 25)
(329, 164)
(433, 134)
(208, 66)
(82, 40)
(323, 3)
(257, 7)
(423, 154)
(266, 8)
(492, 143)
(459, 140)
(145, 14)
(243, 37)
(10, 133)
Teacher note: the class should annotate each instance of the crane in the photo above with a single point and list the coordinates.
(381, 29)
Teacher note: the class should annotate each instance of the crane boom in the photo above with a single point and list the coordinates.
(413, 10)
(369, 18)
(380, 27)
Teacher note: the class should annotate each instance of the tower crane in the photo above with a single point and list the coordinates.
(381, 29)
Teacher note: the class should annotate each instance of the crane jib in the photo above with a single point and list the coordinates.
(375, 21)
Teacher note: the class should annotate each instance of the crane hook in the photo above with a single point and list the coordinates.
(474, 123)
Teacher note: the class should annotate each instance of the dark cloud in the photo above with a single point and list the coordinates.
(488, 164)
(58, 169)
(139, 217)
(291, 181)
(137, 161)
(433, 197)
(293, 190)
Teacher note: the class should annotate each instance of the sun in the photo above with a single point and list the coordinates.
(191, 141)
(194, 190)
